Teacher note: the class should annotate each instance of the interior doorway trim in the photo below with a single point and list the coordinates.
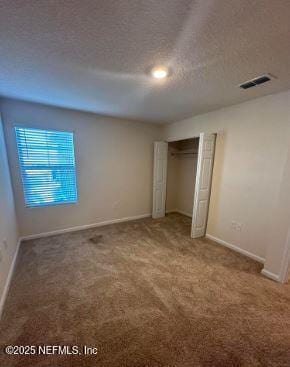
(171, 140)
(283, 274)
(206, 152)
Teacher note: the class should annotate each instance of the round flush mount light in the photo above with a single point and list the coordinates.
(159, 72)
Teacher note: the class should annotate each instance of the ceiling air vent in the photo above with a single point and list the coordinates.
(256, 81)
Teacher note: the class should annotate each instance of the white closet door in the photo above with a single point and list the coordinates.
(159, 179)
(203, 184)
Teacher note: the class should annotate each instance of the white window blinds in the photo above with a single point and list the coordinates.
(47, 164)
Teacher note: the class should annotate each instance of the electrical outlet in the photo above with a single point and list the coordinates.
(238, 226)
(233, 224)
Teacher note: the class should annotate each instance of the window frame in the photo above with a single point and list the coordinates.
(44, 205)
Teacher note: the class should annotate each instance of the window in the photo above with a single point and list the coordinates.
(47, 164)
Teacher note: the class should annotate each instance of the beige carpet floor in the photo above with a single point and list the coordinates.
(145, 294)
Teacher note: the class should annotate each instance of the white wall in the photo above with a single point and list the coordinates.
(8, 226)
(172, 181)
(186, 184)
(181, 176)
(278, 249)
(114, 166)
(252, 145)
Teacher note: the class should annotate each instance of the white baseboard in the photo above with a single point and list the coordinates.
(9, 278)
(270, 275)
(86, 226)
(171, 211)
(184, 213)
(236, 248)
(179, 211)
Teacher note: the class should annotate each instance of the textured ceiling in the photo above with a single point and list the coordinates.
(94, 55)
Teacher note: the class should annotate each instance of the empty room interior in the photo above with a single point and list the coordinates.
(144, 183)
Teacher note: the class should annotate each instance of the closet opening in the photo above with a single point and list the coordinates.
(182, 179)
(181, 176)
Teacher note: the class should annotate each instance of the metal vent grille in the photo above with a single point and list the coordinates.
(256, 81)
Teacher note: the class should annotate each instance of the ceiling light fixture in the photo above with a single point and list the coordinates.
(159, 72)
